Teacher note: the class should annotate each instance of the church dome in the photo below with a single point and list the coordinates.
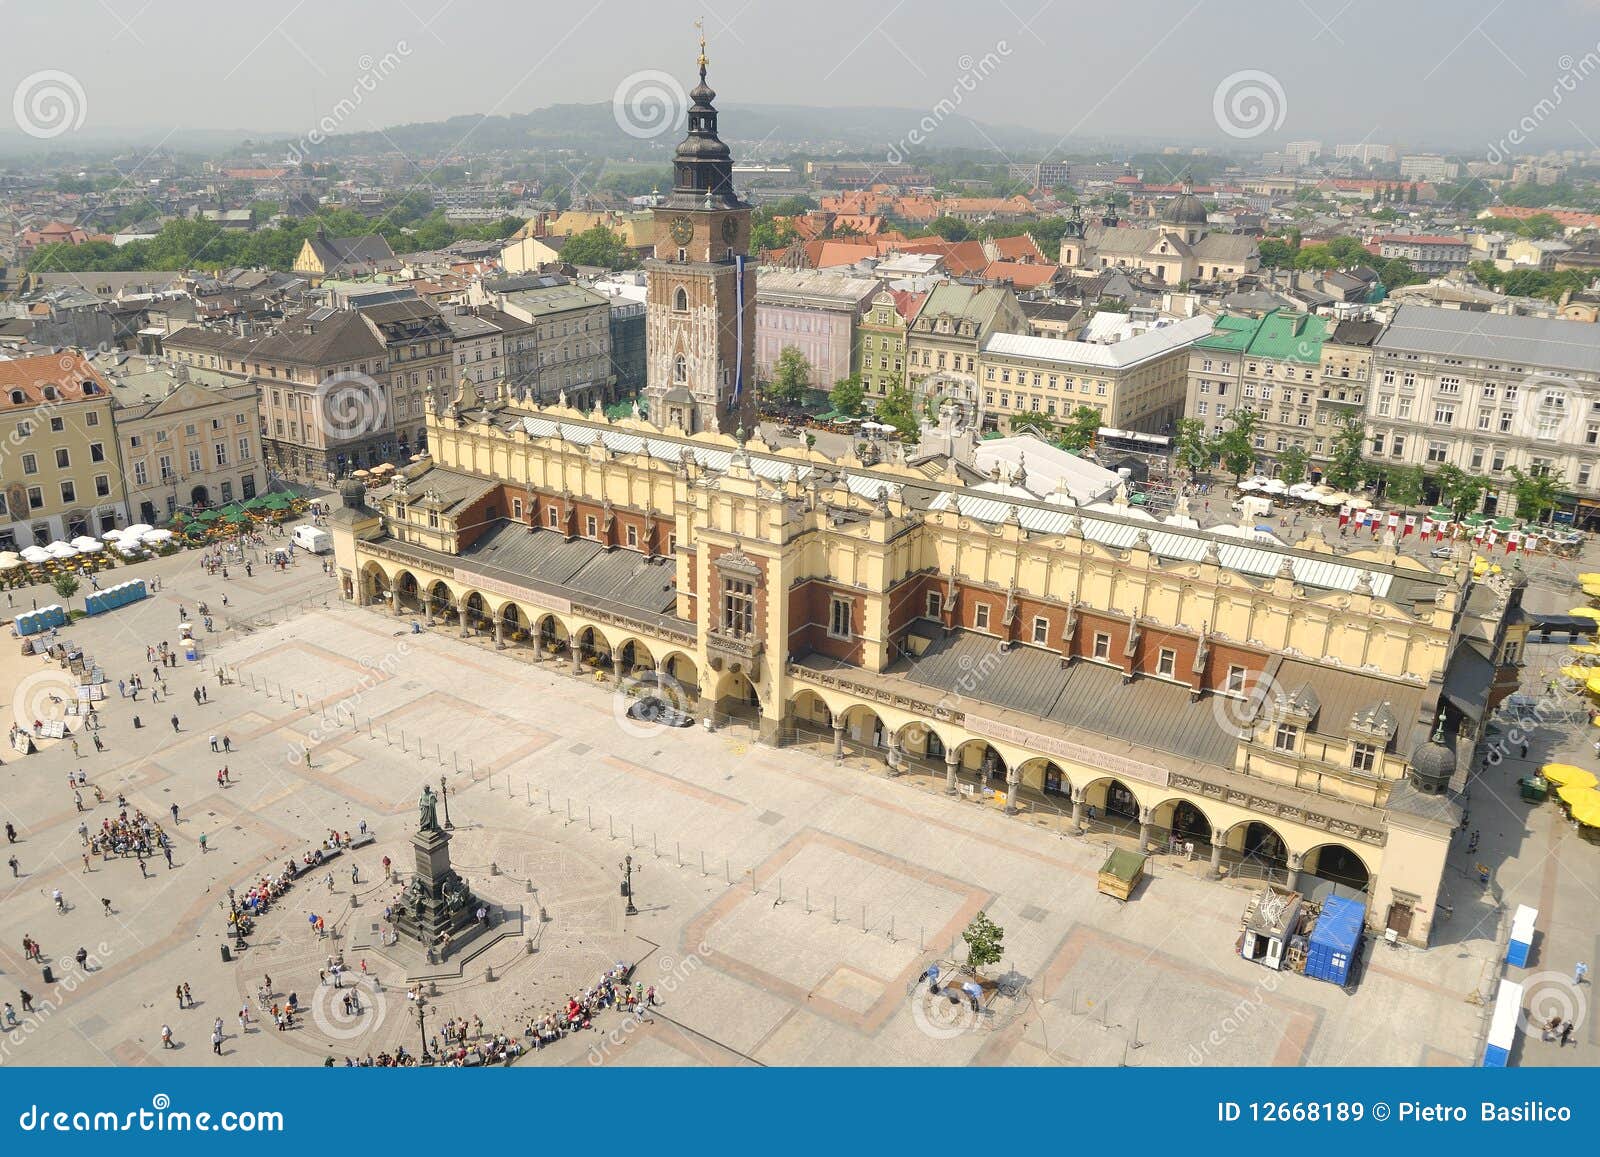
(1432, 765)
(1184, 209)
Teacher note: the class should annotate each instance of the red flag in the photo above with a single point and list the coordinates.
(1411, 525)
(1427, 529)
(1344, 515)
(1513, 540)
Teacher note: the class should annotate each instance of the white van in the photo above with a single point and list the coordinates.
(312, 538)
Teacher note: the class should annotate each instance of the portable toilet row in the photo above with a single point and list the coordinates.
(1335, 941)
(111, 598)
(43, 619)
(1521, 946)
(1503, 1025)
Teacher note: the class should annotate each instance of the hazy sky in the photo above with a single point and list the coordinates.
(1458, 72)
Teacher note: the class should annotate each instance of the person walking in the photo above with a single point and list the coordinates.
(227, 744)
(15, 869)
(105, 905)
(174, 723)
(1566, 1035)
(27, 1000)
(1579, 971)
(178, 992)
(214, 746)
(174, 810)
(11, 833)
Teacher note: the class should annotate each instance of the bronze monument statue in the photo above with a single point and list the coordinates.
(428, 807)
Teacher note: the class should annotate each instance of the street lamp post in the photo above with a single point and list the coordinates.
(422, 1026)
(627, 884)
(444, 794)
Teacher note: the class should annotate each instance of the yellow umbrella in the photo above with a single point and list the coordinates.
(1584, 648)
(1589, 577)
(1593, 684)
(1578, 673)
(1564, 773)
(1577, 780)
(1586, 612)
(1592, 590)
(1584, 803)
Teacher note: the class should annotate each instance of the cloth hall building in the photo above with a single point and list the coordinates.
(1286, 713)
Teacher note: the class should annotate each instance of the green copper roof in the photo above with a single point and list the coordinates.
(1279, 335)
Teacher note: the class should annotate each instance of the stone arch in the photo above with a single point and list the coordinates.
(1113, 798)
(983, 759)
(637, 658)
(1185, 819)
(1338, 863)
(476, 609)
(593, 646)
(682, 669)
(408, 590)
(1045, 776)
(551, 634)
(737, 696)
(513, 621)
(922, 740)
(864, 727)
(374, 585)
(1258, 845)
(810, 711)
(441, 599)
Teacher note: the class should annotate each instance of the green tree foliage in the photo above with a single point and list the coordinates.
(1292, 465)
(1278, 253)
(1347, 464)
(1535, 494)
(1191, 447)
(897, 408)
(1339, 253)
(1397, 272)
(951, 228)
(1403, 485)
(1078, 431)
(1548, 284)
(66, 585)
(792, 376)
(985, 942)
(847, 396)
(1460, 491)
(1236, 447)
(598, 246)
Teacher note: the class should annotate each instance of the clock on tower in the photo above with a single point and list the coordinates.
(700, 313)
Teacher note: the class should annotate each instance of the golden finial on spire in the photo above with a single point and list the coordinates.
(700, 26)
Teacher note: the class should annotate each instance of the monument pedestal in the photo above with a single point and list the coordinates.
(438, 901)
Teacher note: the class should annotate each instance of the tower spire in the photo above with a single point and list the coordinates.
(700, 26)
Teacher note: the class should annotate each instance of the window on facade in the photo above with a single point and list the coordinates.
(102, 485)
(980, 617)
(1286, 737)
(839, 617)
(1363, 756)
(69, 492)
(590, 526)
(30, 464)
(1236, 678)
(1102, 645)
(1166, 662)
(680, 369)
(63, 459)
(1041, 630)
(680, 299)
(738, 607)
(934, 606)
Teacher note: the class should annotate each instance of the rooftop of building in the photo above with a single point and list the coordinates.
(1504, 339)
(1114, 355)
(1279, 335)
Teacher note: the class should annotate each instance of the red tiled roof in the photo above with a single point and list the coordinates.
(65, 372)
(1023, 275)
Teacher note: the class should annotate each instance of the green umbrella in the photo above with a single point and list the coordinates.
(237, 517)
(255, 503)
(1504, 524)
(208, 516)
(1441, 514)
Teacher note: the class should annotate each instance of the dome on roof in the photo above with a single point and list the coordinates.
(1432, 765)
(1184, 209)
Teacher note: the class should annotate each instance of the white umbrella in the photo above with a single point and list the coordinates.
(10, 562)
(61, 550)
(1249, 484)
(130, 549)
(1334, 499)
(111, 535)
(1275, 486)
(35, 554)
(1359, 504)
(155, 536)
(137, 529)
(1300, 488)
(90, 546)
(84, 542)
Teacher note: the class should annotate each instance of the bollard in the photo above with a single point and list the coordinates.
(590, 810)
(836, 909)
(654, 849)
(611, 827)
(528, 947)
(386, 738)
(702, 863)
(488, 973)
(550, 807)
(863, 917)
(494, 868)
(455, 757)
(527, 792)
(678, 855)
(528, 887)
(919, 939)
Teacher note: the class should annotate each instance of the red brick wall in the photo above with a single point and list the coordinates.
(712, 598)
(810, 605)
(537, 514)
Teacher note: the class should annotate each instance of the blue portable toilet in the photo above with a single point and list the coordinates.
(1503, 1026)
(1521, 945)
(1335, 940)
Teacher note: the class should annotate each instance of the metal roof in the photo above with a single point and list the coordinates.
(1189, 546)
(1532, 342)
